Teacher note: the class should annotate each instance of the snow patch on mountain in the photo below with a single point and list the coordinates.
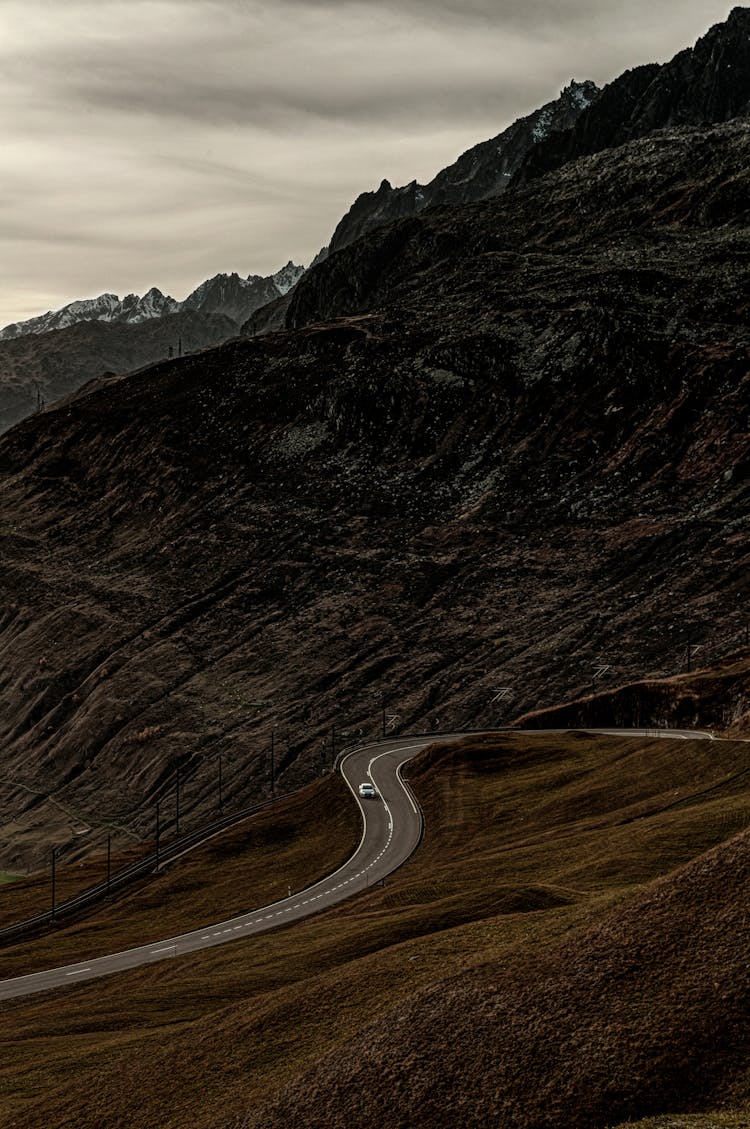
(228, 294)
(287, 277)
(543, 126)
(582, 93)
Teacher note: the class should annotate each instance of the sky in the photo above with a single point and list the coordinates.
(159, 142)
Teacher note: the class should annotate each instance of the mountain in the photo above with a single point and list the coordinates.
(227, 294)
(107, 308)
(706, 83)
(500, 445)
(238, 298)
(41, 359)
(483, 171)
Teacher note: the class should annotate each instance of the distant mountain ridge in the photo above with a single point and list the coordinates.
(53, 355)
(228, 294)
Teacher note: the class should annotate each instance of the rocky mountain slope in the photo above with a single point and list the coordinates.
(507, 443)
(483, 171)
(54, 354)
(706, 83)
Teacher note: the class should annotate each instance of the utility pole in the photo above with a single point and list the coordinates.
(54, 860)
(158, 831)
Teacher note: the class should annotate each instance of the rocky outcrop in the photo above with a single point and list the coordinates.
(707, 83)
(715, 697)
(483, 171)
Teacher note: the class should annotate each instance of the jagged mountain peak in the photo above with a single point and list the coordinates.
(287, 277)
(706, 83)
(229, 294)
(582, 92)
(483, 171)
(237, 297)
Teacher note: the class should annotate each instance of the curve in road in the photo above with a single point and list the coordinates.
(392, 830)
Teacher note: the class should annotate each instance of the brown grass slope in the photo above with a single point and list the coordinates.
(531, 843)
(717, 696)
(644, 1011)
(292, 844)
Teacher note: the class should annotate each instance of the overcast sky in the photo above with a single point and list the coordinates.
(158, 142)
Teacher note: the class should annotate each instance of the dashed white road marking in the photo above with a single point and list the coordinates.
(77, 971)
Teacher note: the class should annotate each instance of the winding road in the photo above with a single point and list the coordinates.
(392, 829)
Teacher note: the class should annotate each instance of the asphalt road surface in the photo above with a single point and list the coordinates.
(392, 829)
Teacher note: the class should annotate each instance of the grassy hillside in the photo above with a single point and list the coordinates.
(541, 856)
(716, 697)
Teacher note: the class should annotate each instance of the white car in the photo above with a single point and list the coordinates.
(367, 791)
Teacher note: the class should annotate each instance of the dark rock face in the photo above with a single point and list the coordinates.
(707, 83)
(268, 318)
(713, 697)
(484, 171)
(238, 298)
(234, 297)
(507, 441)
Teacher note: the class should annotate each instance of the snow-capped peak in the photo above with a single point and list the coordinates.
(582, 93)
(227, 294)
(287, 277)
